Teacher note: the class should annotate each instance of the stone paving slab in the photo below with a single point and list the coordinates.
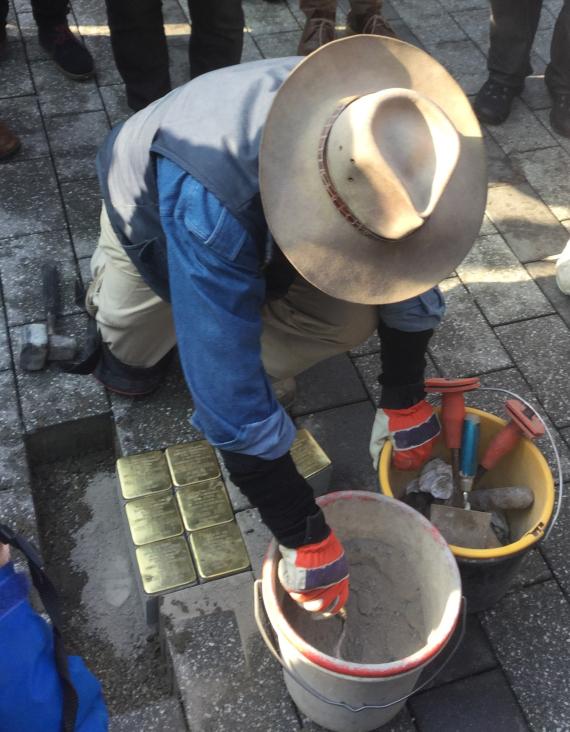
(369, 368)
(164, 716)
(256, 536)
(115, 103)
(75, 139)
(544, 116)
(557, 547)
(500, 169)
(15, 78)
(23, 114)
(547, 172)
(278, 44)
(331, 383)
(82, 200)
(465, 63)
(530, 631)
(59, 95)
(5, 355)
(14, 473)
(522, 131)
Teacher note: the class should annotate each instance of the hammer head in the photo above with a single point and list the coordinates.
(34, 347)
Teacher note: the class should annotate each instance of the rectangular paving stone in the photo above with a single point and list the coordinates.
(15, 79)
(344, 434)
(331, 383)
(544, 116)
(433, 30)
(250, 50)
(557, 546)
(530, 632)
(465, 63)
(404, 33)
(162, 716)
(75, 140)
(82, 203)
(522, 131)
(268, 17)
(499, 283)
(529, 227)
(487, 227)
(547, 172)
(256, 536)
(465, 344)
(544, 275)
(23, 115)
(13, 460)
(540, 349)
(115, 103)
(460, 706)
(20, 267)
(475, 23)
(499, 168)
(100, 48)
(59, 95)
(533, 571)
(274, 45)
(17, 511)
(90, 13)
(5, 355)
(455, 5)
(225, 676)
(29, 31)
(415, 11)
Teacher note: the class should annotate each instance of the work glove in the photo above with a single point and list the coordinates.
(412, 432)
(316, 575)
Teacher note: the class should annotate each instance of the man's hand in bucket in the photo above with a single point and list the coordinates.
(412, 432)
(316, 575)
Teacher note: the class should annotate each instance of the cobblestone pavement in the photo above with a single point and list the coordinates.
(506, 322)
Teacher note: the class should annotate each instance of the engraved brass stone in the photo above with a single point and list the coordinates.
(192, 462)
(153, 518)
(308, 455)
(165, 565)
(140, 475)
(204, 504)
(219, 551)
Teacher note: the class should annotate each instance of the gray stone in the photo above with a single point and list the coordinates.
(115, 103)
(256, 536)
(5, 355)
(268, 17)
(544, 117)
(75, 139)
(178, 57)
(475, 23)
(344, 434)
(544, 275)
(29, 30)
(557, 545)
(369, 369)
(90, 13)
(13, 460)
(17, 511)
(82, 200)
(487, 227)
(435, 29)
(273, 45)
(30, 200)
(465, 344)
(162, 716)
(522, 131)
(155, 421)
(465, 63)
(372, 345)
(499, 168)
(526, 223)
(20, 267)
(404, 33)
(414, 12)
(530, 632)
(15, 79)
(59, 95)
(23, 116)
(456, 5)
(52, 397)
(547, 172)
(100, 49)
(500, 285)
(540, 349)
(250, 50)
(536, 94)
(225, 676)
(533, 571)
(331, 383)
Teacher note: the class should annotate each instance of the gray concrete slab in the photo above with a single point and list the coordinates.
(331, 383)
(278, 44)
(163, 716)
(82, 199)
(268, 17)
(555, 549)
(22, 114)
(544, 275)
(5, 355)
(256, 536)
(544, 116)
(475, 23)
(437, 29)
(547, 172)
(530, 632)
(60, 95)
(15, 78)
(14, 474)
(115, 103)
(522, 131)
(74, 140)
(500, 170)
(465, 62)
(100, 48)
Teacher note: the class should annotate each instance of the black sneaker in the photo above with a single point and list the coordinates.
(560, 114)
(494, 101)
(68, 53)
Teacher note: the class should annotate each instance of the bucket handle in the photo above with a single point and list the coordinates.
(261, 618)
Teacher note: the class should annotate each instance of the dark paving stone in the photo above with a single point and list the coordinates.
(540, 348)
(530, 632)
(156, 421)
(30, 200)
(465, 344)
(51, 397)
(115, 103)
(13, 462)
(455, 5)
(75, 139)
(82, 200)
(527, 224)
(403, 722)
(158, 717)
(29, 30)
(100, 49)
(543, 273)
(5, 356)
(331, 383)
(547, 172)
(273, 45)
(23, 116)
(90, 12)
(533, 571)
(59, 95)
(20, 268)
(465, 63)
(267, 17)
(250, 50)
(404, 33)
(557, 547)
(15, 79)
(256, 536)
(499, 283)
(416, 11)
(475, 23)
(500, 170)
(369, 369)
(522, 131)
(437, 29)
(17, 511)
(344, 434)
(372, 345)
(482, 702)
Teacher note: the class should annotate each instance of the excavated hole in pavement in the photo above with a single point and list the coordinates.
(85, 549)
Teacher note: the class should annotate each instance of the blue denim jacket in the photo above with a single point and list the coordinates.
(217, 291)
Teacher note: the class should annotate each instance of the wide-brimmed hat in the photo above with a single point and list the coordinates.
(372, 170)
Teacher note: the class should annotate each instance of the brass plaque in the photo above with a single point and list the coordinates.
(219, 551)
(192, 462)
(308, 455)
(142, 474)
(165, 565)
(153, 518)
(204, 504)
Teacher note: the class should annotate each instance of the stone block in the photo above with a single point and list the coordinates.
(527, 224)
(20, 267)
(225, 676)
(344, 434)
(90, 13)
(59, 95)
(404, 33)
(547, 172)
(250, 50)
(18, 513)
(456, 5)
(544, 274)
(499, 168)
(178, 57)
(274, 45)
(30, 200)
(530, 633)
(162, 716)
(115, 103)
(414, 12)
(15, 79)
(75, 140)
(256, 536)
(544, 116)
(29, 31)
(82, 201)
(435, 29)
(500, 285)
(482, 702)
(487, 227)
(331, 383)
(465, 63)
(539, 348)
(522, 131)
(475, 23)
(52, 397)
(269, 17)
(535, 93)
(465, 344)
(23, 116)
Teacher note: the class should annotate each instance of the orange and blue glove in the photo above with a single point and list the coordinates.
(316, 575)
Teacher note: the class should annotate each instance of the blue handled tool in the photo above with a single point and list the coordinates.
(469, 459)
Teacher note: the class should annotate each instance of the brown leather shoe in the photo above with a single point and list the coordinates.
(372, 23)
(9, 143)
(319, 29)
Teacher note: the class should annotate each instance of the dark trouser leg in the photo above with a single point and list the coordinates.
(48, 13)
(217, 34)
(139, 48)
(513, 27)
(557, 74)
(3, 12)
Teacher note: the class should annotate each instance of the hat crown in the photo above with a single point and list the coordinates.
(389, 156)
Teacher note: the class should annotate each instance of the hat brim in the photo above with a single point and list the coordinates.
(324, 247)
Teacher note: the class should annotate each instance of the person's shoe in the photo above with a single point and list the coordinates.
(67, 52)
(494, 101)
(319, 29)
(9, 142)
(371, 23)
(560, 114)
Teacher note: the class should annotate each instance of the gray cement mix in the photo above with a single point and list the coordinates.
(385, 620)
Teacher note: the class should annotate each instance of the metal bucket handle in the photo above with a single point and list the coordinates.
(259, 608)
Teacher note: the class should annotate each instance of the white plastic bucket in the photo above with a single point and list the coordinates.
(344, 696)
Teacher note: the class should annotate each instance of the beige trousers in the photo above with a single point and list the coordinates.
(299, 330)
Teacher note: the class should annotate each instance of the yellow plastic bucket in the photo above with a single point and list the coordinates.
(487, 573)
